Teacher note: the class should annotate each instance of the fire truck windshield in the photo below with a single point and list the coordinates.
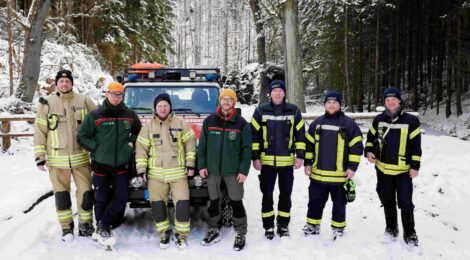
(184, 99)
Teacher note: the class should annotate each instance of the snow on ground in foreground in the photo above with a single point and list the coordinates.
(441, 199)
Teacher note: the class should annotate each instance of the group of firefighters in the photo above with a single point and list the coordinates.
(74, 138)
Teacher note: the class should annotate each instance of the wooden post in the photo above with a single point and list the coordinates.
(6, 139)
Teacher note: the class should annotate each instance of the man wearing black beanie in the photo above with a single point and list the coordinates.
(334, 148)
(165, 156)
(394, 145)
(278, 134)
(64, 74)
(56, 150)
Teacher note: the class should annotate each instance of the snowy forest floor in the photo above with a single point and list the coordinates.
(440, 196)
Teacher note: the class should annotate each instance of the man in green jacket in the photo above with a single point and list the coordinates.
(224, 153)
(109, 134)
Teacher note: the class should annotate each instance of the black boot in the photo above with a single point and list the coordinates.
(311, 229)
(391, 221)
(165, 239)
(239, 242)
(212, 237)
(283, 231)
(67, 234)
(85, 229)
(337, 233)
(408, 221)
(269, 233)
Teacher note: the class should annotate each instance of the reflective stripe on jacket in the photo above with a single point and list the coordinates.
(107, 131)
(278, 133)
(56, 127)
(334, 144)
(165, 148)
(400, 147)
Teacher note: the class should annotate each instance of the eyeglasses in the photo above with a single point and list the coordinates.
(116, 94)
(227, 99)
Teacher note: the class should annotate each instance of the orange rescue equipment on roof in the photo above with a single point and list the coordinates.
(144, 67)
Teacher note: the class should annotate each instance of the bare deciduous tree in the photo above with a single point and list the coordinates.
(292, 59)
(34, 39)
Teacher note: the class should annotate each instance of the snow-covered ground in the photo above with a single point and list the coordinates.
(441, 199)
(457, 126)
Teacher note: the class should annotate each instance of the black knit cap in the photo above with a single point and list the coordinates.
(391, 92)
(162, 97)
(333, 95)
(63, 74)
(277, 84)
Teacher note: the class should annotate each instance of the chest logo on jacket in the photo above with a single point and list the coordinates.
(126, 124)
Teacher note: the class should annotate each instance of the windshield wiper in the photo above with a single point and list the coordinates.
(142, 108)
(186, 110)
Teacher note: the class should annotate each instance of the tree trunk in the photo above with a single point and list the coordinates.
(10, 44)
(178, 53)
(32, 52)
(197, 34)
(440, 64)
(369, 81)
(414, 61)
(458, 85)
(346, 60)
(449, 69)
(294, 79)
(209, 40)
(185, 34)
(260, 50)
(226, 39)
(377, 69)
(249, 39)
(360, 89)
(397, 49)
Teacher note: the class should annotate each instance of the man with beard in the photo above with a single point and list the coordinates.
(394, 145)
(56, 150)
(224, 154)
(334, 149)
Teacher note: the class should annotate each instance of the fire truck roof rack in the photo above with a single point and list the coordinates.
(149, 74)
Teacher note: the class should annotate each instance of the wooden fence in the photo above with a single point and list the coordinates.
(7, 135)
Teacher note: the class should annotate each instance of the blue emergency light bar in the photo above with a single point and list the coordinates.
(171, 74)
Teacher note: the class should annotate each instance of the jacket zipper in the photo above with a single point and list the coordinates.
(68, 124)
(117, 137)
(222, 147)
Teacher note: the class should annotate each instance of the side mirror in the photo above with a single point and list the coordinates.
(119, 79)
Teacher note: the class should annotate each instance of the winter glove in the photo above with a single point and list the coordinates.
(41, 164)
(190, 171)
(350, 190)
(142, 176)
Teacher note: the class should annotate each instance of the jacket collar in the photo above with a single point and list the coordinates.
(168, 119)
(335, 115)
(283, 104)
(68, 95)
(107, 106)
(230, 117)
(393, 116)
